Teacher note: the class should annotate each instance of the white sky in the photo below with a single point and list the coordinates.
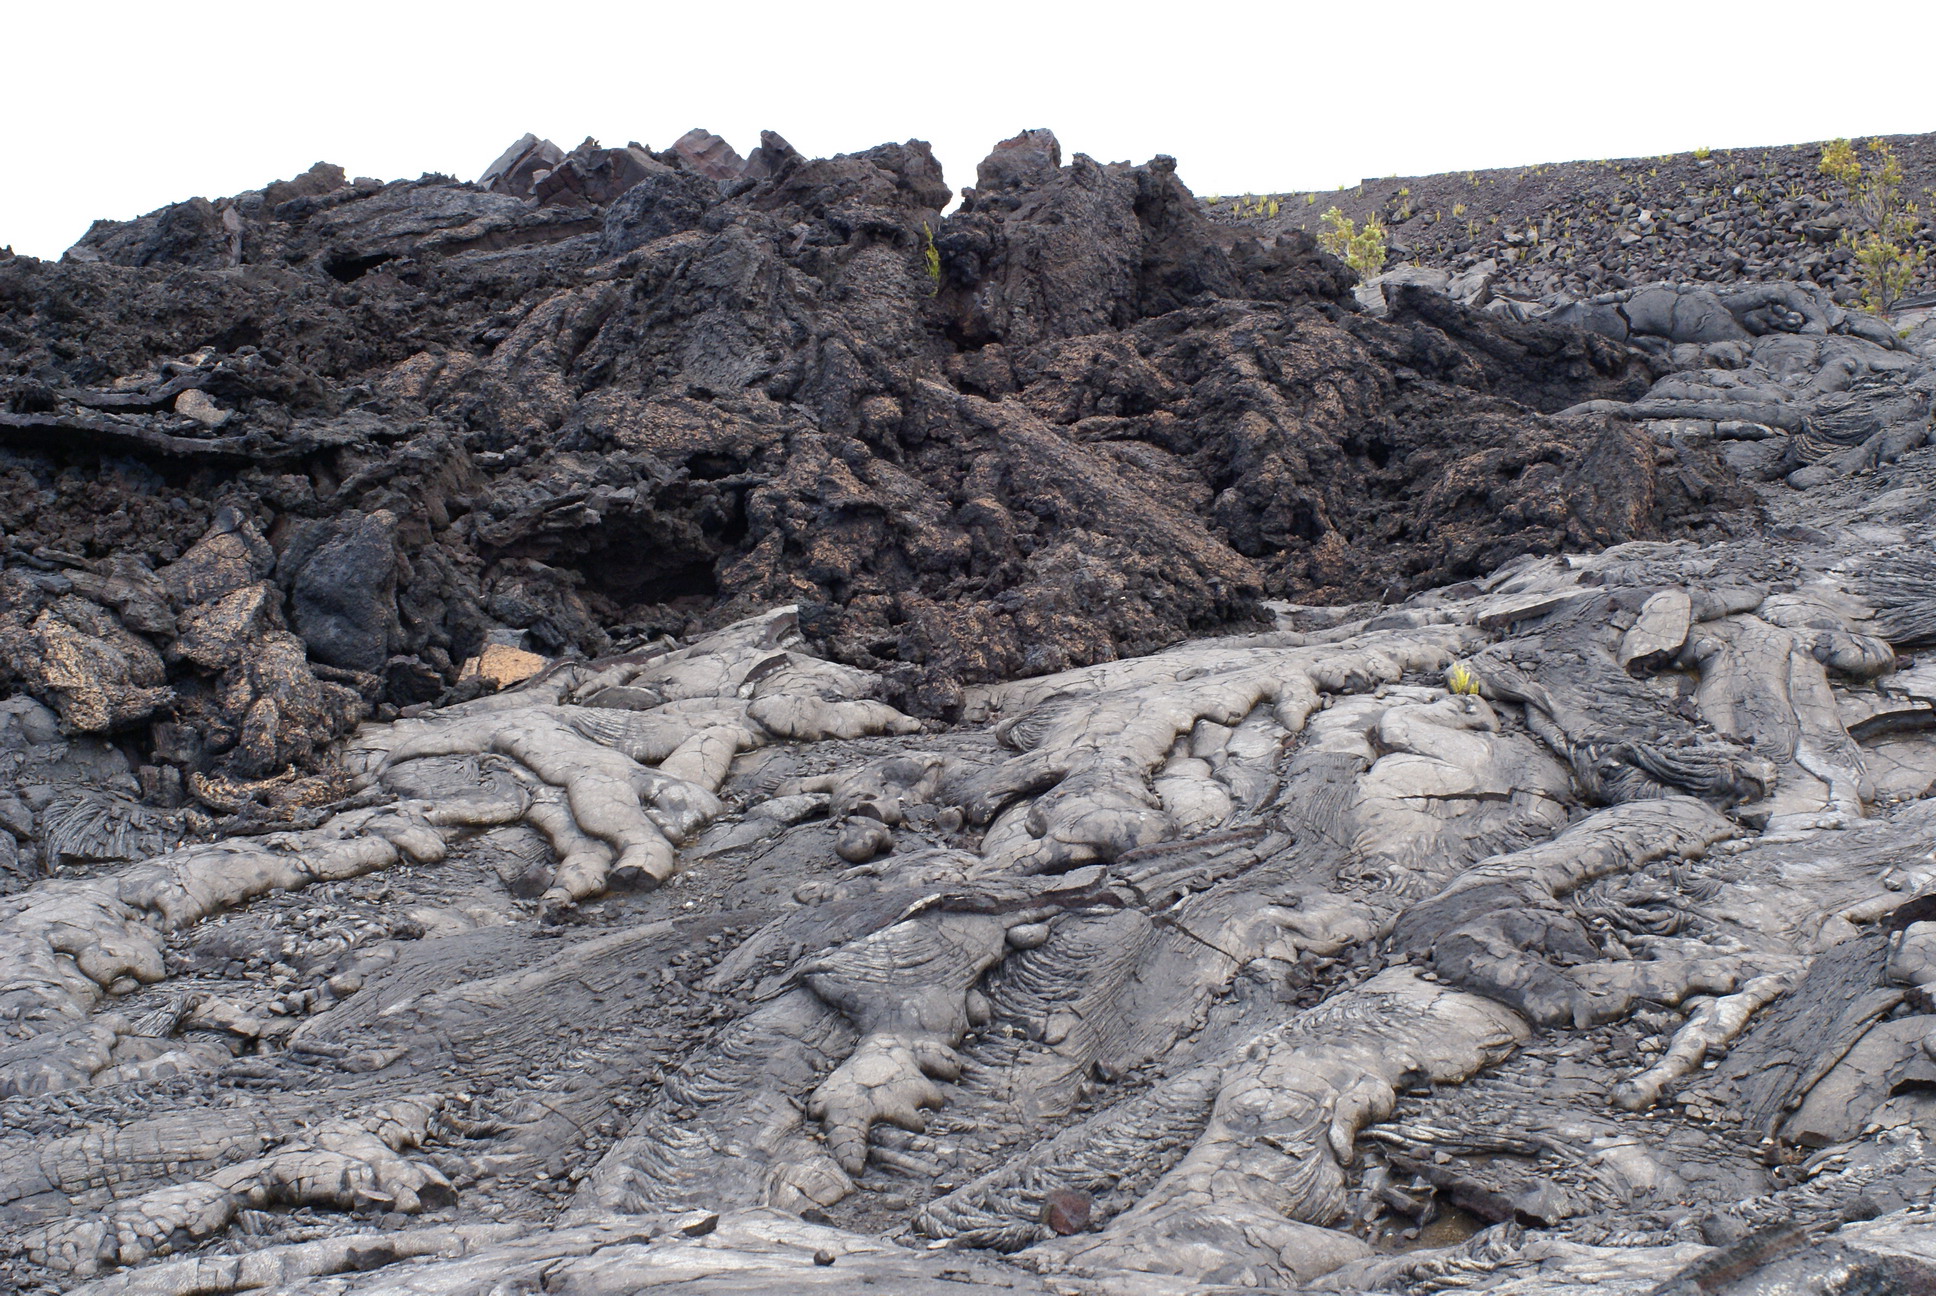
(112, 109)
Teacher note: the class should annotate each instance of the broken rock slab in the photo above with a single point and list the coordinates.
(709, 155)
(502, 665)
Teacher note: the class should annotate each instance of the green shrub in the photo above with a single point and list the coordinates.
(1364, 250)
(1840, 164)
(1885, 224)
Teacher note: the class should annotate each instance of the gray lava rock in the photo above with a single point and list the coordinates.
(342, 581)
(665, 202)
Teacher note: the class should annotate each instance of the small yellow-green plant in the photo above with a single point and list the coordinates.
(1252, 205)
(1364, 250)
(1839, 162)
(1703, 153)
(1886, 223)
(1458, 209)
(1310, 200)
(932, 256)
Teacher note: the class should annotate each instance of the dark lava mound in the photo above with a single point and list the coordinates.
(272, 462)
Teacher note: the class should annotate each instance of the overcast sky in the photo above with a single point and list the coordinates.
(113, 109)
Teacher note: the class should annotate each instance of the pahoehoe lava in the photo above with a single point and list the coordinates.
(670, 721)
